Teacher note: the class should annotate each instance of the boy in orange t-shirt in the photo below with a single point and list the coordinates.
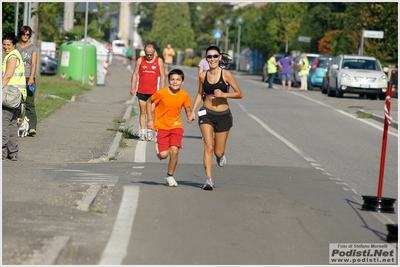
(167, 122)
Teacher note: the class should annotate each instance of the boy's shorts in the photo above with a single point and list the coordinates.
(220, 121)
(166, 138)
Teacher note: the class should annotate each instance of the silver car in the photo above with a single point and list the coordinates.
(356, 74)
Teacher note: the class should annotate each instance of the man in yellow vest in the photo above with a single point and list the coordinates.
(272, 70)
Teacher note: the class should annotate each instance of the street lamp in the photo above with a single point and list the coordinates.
(218, 24)
(239, 21)
(227, 23)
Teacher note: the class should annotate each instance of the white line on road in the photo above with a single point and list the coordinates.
(140, 151)
(284, 140)
(117, 245)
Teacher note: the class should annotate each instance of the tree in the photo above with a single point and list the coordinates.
(175, 30)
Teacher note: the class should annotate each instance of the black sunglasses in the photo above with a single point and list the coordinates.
(212, 56)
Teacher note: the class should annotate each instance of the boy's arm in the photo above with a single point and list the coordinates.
(188, 114)
(150, 119)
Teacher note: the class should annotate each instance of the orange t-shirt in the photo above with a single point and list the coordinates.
(167, 114)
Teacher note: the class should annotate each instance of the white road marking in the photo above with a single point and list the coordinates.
(117, 245)
(140, 151)
(284, 140)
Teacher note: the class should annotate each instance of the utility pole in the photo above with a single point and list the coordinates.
(69, 16)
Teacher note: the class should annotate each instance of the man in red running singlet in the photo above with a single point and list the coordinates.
(144, 84)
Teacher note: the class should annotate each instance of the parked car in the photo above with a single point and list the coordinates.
(296, 77)
(325, 82)
(356, 74)
(317, 71)
(48, 65)
(265, 70)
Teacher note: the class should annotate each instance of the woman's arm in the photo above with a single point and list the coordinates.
(33, 68)
(199, 95)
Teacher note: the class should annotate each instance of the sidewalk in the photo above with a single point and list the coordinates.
(78, 132)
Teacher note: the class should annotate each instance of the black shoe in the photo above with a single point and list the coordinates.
(13, 158)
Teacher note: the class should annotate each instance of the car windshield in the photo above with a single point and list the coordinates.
(361, 64)
(120, 44)
(324, 63)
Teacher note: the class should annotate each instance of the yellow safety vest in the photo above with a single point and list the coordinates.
(18, 79)
(304, 67)
(271, 66)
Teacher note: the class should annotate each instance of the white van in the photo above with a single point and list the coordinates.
(118, 47)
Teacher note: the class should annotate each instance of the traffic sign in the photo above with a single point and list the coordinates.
(373, 34)
(304, 39)
(217, 34)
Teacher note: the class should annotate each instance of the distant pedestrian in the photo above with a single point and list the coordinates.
(168, 55)
(167, 122)
(128, 55)
(29, 54)
(304, 70)
(148, 72)
(13, 74)
(215, 117)
(285, 68)
(271, 67)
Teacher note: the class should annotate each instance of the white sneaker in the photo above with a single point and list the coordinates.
(171, 181)
(221, 161)
(142, 137)
(150, 135)
(209, 185)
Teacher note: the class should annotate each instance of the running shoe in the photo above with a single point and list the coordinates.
(171, 181)
(209, 185)
(221, 161)
(150, 136)
(142, 137)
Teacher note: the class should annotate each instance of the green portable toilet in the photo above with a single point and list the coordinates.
(70, 63)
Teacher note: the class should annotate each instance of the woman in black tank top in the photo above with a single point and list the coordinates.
(215, 118)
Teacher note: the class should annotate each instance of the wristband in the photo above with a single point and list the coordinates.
(149, 120)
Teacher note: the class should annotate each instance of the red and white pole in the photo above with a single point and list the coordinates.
(388, 120)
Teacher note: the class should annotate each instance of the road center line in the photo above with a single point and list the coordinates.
(117, 245)
(284, 140)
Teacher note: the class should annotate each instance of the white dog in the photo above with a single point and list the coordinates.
(23, 126)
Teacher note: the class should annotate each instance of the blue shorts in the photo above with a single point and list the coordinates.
(286, 77)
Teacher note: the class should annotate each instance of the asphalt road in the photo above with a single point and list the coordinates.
(298, 164)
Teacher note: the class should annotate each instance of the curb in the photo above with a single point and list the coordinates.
(393, 124)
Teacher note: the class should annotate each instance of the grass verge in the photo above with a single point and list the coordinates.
(52, 93)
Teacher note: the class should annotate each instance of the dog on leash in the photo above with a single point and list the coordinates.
(23, 126)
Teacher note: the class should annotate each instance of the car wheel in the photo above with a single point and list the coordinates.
(361, 95)
(382, 97)
(323, 88)
(309, 86)
(339, 94)
(373, 97)
(330, 92)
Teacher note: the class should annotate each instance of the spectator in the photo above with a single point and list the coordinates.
(285, 68)
(13, 71)
(29, 54)
(304, 70)
(128, 55)
(145, 78)
(167, 122)
(271, 69)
